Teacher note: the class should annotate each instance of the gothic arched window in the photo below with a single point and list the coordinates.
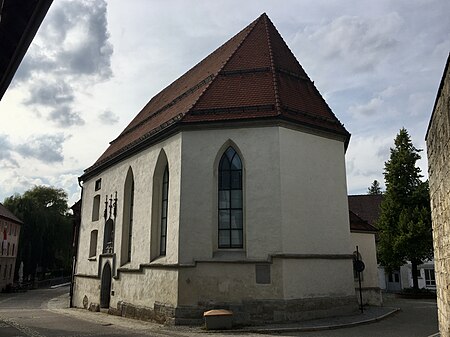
(230, 226)
(164, 204)
(127, 224)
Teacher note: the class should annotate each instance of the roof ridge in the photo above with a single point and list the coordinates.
(250, 28)
(188, 91)
(272, 65)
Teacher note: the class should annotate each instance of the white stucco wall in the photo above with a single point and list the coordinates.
(113, 179)
(227, 282)
(367, 249)
(309, 278)
(294, 202)
(201, 152)
(314, 203)
(144, 289)
(370, 280)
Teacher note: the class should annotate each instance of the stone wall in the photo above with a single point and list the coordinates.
(438, 147)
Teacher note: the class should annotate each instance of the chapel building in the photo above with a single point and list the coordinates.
(227, 190)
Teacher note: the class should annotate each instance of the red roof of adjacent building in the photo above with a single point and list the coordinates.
(366, 206)
(360, 225)
(7, 214)
(253, 76)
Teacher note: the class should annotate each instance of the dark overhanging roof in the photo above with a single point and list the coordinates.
(19, 22)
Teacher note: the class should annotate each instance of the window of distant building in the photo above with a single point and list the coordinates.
(230, 222)
(430, 280)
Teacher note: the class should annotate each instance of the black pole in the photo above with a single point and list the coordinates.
(359, 281)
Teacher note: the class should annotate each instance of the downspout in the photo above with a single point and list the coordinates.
(76, 234)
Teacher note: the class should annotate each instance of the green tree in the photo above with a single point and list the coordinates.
(375, 188)
(45, 236)
(404, 225)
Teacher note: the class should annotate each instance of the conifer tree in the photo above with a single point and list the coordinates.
(375, 188)
(404, 225)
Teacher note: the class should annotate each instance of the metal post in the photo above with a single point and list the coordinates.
(359, 281)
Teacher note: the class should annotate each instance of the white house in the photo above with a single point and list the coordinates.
(368, 208)
(363, 239)
(227, 190)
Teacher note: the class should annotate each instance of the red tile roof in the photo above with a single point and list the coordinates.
(7, 214)
(366, 206)
(253, 76)
(359, 225)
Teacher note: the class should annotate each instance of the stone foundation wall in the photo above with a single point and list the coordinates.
(250, 312)
(438, 148)
(371, 296)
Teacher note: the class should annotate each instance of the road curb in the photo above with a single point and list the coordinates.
(308, 328)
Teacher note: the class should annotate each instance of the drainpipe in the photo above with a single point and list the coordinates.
(76, 234)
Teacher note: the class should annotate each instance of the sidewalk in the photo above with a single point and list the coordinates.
(370, 315)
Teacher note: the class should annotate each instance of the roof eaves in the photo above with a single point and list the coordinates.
(154, 134)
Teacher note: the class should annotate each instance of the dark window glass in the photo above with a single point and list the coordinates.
(164, 206)
(98, 184)
(230, 200)
(130, 231)
(397, 278)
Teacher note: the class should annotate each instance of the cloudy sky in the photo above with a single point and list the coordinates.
(94, 64)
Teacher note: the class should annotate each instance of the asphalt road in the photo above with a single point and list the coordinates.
(44, 313)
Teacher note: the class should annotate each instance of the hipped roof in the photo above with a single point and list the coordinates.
(253, 76)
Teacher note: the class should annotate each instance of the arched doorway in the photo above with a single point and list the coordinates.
(105, 292)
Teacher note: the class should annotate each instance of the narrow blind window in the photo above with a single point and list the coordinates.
(230, 200)
(164, 205)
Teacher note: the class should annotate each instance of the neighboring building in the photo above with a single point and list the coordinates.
(368, 207)
(227, 190)
(10, 232)
(438, 149)
(363, 239)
